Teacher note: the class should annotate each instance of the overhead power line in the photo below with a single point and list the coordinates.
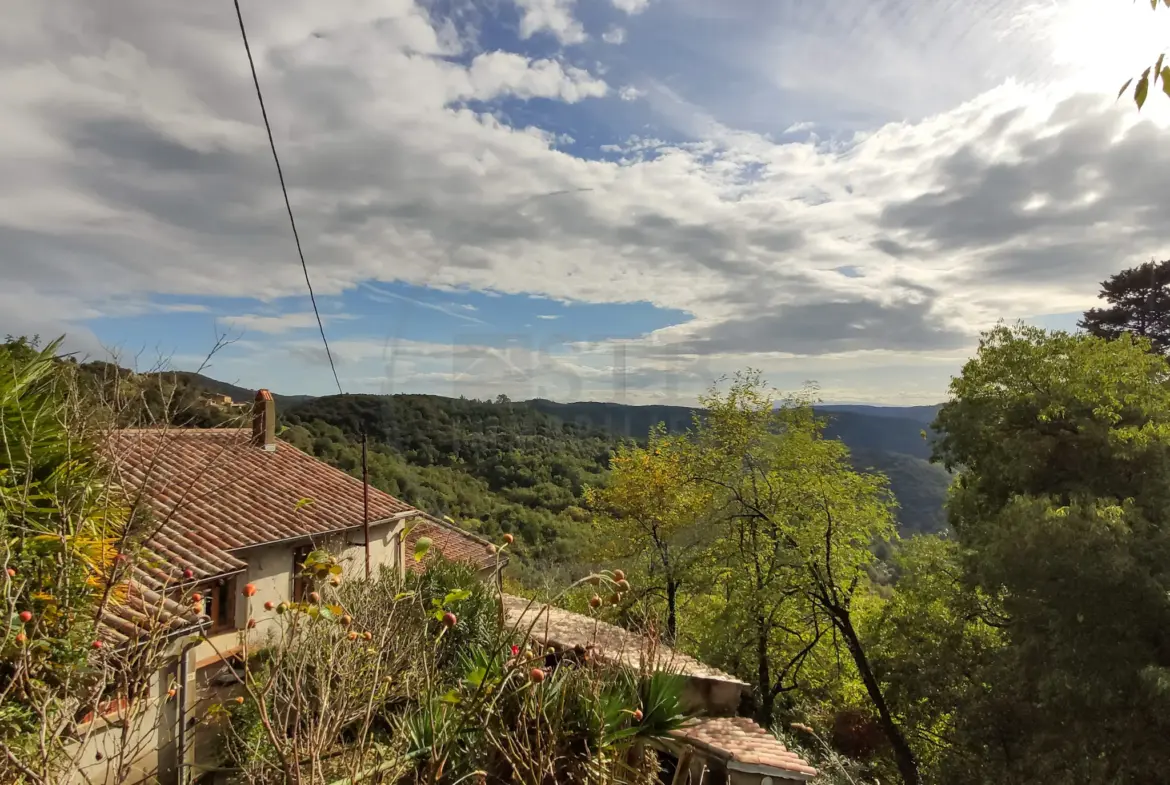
(284, 190)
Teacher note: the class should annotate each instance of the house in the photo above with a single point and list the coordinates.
(716, 747)
(228, 508)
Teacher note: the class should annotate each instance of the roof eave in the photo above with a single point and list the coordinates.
(395, 518)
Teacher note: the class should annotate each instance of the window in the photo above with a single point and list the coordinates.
(302, 584)
(220, 605)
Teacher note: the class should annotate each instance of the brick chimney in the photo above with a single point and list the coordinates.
(264, 421)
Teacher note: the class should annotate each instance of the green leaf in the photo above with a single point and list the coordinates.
(456, 596)
(1158, 66)
(451, 697)
(325, 613)
(421, 547)
(304, 501)
(1139, 92)
(1166, 79)
(476, 676)
(1124, 87)
(335, 569)
(438, 614)
(403, 595)
(336, 610)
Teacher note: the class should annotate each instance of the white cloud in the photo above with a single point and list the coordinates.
(631, 6)
(555, 16)
(614, 35)
(630, 93)
(498, 73)
(547, 316)
(273, 325)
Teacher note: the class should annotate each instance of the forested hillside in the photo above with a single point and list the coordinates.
(522, 467)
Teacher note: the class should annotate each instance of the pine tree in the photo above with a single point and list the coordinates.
(1139, 300)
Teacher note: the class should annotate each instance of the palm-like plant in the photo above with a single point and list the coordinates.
(61, 528)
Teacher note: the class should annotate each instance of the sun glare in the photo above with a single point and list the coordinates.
(1098, 44)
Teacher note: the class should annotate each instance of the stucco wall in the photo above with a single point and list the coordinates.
(270, 570)
(712, 698)
(99, 755)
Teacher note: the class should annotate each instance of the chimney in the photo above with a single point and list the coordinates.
(264, 421)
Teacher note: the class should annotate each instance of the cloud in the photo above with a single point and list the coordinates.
(504, 73)
(555, 16)
(630, 93)
(614, 35)
(631, 6)
(547, 316)
(274, 325)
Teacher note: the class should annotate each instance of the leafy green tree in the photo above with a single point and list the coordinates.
(653, 513)
(799, 524)
(932, 649)
(1061, 509)
(1139, 303)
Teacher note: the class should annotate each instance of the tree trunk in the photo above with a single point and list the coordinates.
(671, 611)
(763, 676)
(903, 755)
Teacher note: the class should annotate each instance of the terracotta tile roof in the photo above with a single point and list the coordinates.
(564, 629)
(740, 740)
(212, 491)
(142, 611)
(453, 543)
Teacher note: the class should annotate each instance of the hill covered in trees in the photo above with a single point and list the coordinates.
(523, 466)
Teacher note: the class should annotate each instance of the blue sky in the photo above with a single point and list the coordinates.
(577, 199)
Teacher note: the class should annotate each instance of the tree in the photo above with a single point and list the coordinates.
(798, 526)
(652, 512)
(1139, 300)
(1061, 509)
(933, 651)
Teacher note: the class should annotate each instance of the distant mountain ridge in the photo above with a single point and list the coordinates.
(892, 440)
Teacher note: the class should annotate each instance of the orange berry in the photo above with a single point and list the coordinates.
(618, 575)
(508, 538)
(536, 675)
(250, 590)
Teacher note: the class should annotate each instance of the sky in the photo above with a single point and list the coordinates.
(620, 200)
